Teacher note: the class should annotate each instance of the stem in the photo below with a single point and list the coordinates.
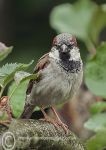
(90, 46)
(1, 92)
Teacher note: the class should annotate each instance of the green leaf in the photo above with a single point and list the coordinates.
(22, 76)
(98, 23)
(96, 122)
(4, 51)
(95, 72)
(17, 91)
(17, 94)
(98, 107)
(17, 100)
(98, 141)
(74, 19)
(8, 71)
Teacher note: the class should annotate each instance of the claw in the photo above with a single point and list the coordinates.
(59, 122)
(5, 122)
(50, 121)
(56, 123)
(64, 126)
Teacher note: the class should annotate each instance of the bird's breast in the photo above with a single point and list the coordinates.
(54, 87)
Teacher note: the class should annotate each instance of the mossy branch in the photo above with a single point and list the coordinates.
(37, 135)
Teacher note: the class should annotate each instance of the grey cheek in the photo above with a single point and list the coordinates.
(74, 54)
(54, 54)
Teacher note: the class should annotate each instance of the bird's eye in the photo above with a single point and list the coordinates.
(57, 46)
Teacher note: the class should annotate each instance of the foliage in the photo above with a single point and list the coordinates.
(4, 51)
(98, 141)
(86, 20)
(17, 100)
(95, 72)
(22, 76)
(96, 122)
(14, 72)
(17, 91)
(98, 107)
(8, 71)
(66, 18)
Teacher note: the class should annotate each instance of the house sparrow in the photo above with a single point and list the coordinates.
(60, 75)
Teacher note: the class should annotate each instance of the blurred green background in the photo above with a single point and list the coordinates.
(25, 25)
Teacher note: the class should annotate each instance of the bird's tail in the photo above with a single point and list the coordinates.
(28, 110)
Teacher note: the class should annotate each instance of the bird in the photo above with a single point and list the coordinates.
(60, 73)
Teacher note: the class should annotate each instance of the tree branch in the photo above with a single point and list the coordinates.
(37, 135)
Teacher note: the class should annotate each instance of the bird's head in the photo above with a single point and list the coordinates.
(64, 49)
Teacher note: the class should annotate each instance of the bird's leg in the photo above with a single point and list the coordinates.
(47, 118)
(59, 122)
(4, 122)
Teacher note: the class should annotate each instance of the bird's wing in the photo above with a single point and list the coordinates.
(42, 63)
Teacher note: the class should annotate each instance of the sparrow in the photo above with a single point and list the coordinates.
(60, 74)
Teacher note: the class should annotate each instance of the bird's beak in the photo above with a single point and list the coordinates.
(64, 48)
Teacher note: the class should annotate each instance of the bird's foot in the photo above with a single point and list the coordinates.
(5, 122)
(50, 120)
(59, 122)
(56, 123)
(63, 125)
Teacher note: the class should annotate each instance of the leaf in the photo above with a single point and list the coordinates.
(22, 76)
(84, 19)
(98, 107)
(74, 19)
(96, 122)
(98, 141)
(8, 71)
(17, 100)
(98, 23)
(17, 91)
(95, 72)
(4, 51)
